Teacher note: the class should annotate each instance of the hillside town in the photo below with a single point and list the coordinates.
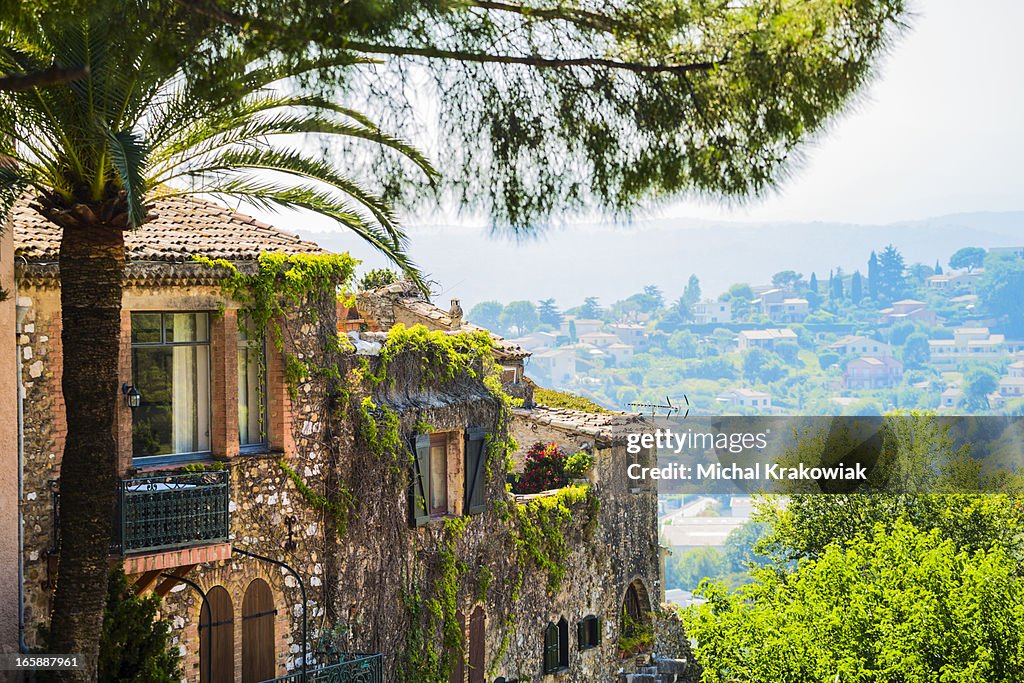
(911, 337)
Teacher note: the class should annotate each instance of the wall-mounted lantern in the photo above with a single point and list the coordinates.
(131, 396)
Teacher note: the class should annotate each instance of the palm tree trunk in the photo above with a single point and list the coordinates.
(92, 261)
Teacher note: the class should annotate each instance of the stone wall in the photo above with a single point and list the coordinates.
(372, 582)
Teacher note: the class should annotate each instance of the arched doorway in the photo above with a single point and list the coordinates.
(636, 628)
(477, 621)
(457, 673)
(258, 615)
(217, 638)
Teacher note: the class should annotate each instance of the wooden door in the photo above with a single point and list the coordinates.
(258, 615)
(476, 645)
(217, 638)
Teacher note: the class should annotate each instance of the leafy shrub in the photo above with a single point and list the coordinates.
(134, 644)
(578, 464)
(561, 399)
(544, 469)
(378, 277)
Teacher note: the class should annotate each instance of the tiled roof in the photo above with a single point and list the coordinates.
(611, 427)
(183, 228)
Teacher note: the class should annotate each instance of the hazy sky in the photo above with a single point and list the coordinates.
(939, 130)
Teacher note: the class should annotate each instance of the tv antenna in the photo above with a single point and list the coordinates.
(669, 407)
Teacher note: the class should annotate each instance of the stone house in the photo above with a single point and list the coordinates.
(870, 372)
(967, 344)
(354, 515)
(853, 345)
(765, 339)
(745, 398)
(908, 310)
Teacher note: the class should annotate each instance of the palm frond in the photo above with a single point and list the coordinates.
(128, 152)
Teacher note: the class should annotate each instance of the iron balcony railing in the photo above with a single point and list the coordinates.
(174, 511)
(352, 668)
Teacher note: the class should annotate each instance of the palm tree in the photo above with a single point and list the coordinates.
(93, 154)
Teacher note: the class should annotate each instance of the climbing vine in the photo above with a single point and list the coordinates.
(366, 436)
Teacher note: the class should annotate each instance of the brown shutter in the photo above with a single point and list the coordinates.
(458, 670)
(217, 637)
(477, 666)
(258, 616)
(419, 487)
(475, 472)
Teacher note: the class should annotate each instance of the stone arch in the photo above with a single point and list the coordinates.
(217, 637)
(635, 621)
(258, 644)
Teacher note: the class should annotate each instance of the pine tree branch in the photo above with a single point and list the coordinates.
(41, 79)
(542, 62)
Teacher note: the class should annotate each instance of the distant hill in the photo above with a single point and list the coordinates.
(609, 262)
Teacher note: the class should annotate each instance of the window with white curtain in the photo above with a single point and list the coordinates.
(252, 392)
(171, 371)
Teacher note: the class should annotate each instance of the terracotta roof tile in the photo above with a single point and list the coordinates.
(183, 228)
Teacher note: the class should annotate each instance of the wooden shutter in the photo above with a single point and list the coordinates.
(258, 616)
(477, 622)
(563, 643)
(458, 658)
(581, 634)
(550, 648)
(217, 637)
(595, 631)
(476, 472)
(419, 487)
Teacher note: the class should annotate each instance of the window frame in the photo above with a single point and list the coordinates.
(588, 632)
(187, 456)
(260, 345)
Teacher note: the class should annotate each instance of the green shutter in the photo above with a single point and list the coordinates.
(581, 635)
(474, 501)
(419, 487)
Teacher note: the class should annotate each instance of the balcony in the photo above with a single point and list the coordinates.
(353, 668)
(163, 513)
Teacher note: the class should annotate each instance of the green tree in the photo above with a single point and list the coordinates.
(693, 565)
(590, 309)
(938, 267)
(979, 382)
(741, 546)
(691, 293)
(873, 277)
(378, 277)
(999, 291)
(683, 344)
(968, 257)
(915, 351)
(655, 294)
(892, 283)
(548, 313)
(787, 279)
(487, 314)
(789, 352)
(135, 645)
(901, 604)
(856, 288)
(519, 317)
(812, 285)
(754, 362)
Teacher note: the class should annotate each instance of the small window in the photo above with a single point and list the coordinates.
(171, 370)
(428, 490)
(438, 474)
(588, 632)
(252, 392)
(556, 647)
